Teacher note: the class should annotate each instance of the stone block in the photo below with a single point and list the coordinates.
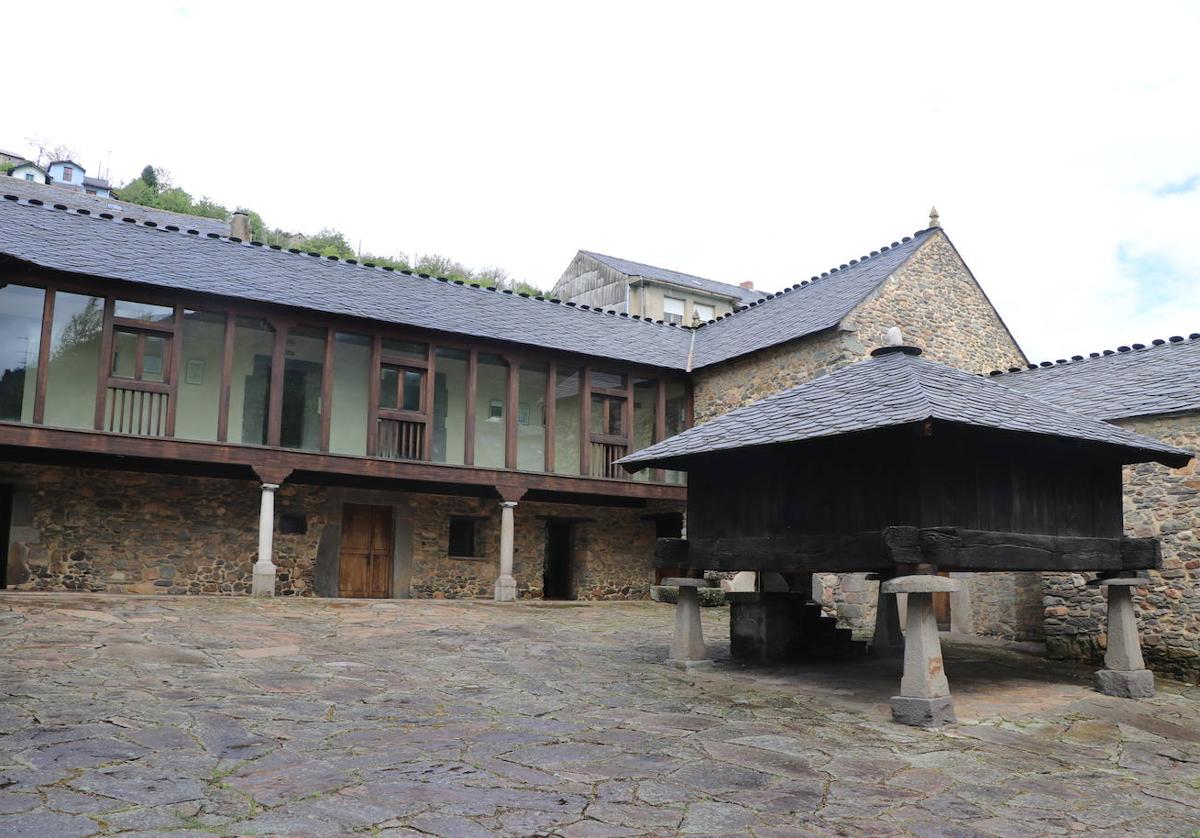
(923, 712)
(1138, 683)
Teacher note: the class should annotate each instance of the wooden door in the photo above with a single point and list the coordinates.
(941, 607)
(365, 558)
(556, 571)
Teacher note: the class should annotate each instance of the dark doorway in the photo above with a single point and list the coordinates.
(6, 499)
(365, 558)
(941, 607)
(556, 571)
(668, 525)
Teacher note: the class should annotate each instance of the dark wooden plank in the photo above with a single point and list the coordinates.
(106, 342)
(510, 415)
(226, 376)
(427, 382)
(39, 396)
(832, 553)
(327, 389)
(958, 549)
(551, 413)
(172, 374)
(469, 419)
(275, 401)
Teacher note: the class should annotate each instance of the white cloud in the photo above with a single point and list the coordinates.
(735, 141)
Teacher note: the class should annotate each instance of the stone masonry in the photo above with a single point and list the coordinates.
(939, 306)
(1162, 503)
(129, 532)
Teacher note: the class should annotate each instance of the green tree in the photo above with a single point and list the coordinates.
(150, 177)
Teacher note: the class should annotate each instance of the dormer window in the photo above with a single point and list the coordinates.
(67, 173)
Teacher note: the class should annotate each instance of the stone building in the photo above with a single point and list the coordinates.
(177, 406)
(1153, 390)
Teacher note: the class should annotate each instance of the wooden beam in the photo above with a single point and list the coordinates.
(551, 413)
(173, 453)
(660, 423)
(226, 376)
(106, 351)
(945, 548)
(327, 389)
(39, 396)
(373, 397)
(173, 362)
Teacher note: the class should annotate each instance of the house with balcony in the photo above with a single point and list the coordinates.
(650, 293)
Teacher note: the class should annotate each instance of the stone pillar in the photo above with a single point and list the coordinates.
(506, 584)
(924, 698)
(264, 568)
(687, 646)
(1125, 674)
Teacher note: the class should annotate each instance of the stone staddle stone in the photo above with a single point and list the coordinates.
(1124, 674)
(1138, 683)
(923, 712)
(687, 646)
(924, 699)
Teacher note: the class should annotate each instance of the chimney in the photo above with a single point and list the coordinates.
(748, 285)
(239, 226)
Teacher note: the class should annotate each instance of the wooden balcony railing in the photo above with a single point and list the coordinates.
(604, 458)
(400, 440)
(136, 410)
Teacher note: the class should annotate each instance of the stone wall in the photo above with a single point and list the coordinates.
(939, 306)
(1162, 503)
(129, 532)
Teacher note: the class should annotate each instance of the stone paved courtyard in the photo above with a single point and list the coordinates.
(201, 716)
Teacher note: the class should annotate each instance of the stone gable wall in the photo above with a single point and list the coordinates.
(1161, 503)
(130, 532)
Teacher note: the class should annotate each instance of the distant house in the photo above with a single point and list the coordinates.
(633, 288)
(10, 157)
(32, 172)
(71, 174)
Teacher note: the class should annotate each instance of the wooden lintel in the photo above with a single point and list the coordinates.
(881, 552)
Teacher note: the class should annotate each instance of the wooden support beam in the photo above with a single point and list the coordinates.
(944, 547)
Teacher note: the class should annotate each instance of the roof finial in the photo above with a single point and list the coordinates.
(893, 341)
(895, 337)
(933, 218)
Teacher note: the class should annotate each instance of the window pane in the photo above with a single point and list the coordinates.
(351, 394)
(608, 380)
(389, 386)
(20, 341)
(566, 421)
(199, 393)
(616, 416)
(491, 388)
(250, 386)
(596, 420)
(676, 420)
(74, 360)
(412, 390)
(673, 306)
(154, 358)
(407, 348)
(449, 406)
(645, 403)
(303, 367)
(531, 418)
(124, 354)
(704, 312)
(143, 311)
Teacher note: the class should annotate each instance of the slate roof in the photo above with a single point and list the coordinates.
(885, 391)
(1133, 381)
(51, 194)
(698, 283)
(96, 181)
(91, 245)
(804, 309)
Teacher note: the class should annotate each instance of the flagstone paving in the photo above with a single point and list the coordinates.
(201, 716)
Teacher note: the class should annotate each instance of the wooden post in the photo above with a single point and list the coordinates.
(39, 396)
(551, 413)
(510, 416)
(327, 388)
(275, 403)
(173, 371)
(373, 397)
(226, 377)
(106, 349)
(585, 422)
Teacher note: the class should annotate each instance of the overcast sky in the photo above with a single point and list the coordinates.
(737, 141)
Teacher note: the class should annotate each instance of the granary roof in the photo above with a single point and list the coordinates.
(804, 309)
(1134, 380)
(185, 260)
(894, 388)
(698, 283)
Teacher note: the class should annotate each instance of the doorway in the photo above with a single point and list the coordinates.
(556, 569)
(941, 607)
(6, 502)
(365, 555)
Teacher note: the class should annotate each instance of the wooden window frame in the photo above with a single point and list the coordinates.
(282, 323)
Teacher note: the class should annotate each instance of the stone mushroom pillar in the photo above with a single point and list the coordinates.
(687, 646)
(1125, 674)
(264, 568)
(506, 584)
(924, 699)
